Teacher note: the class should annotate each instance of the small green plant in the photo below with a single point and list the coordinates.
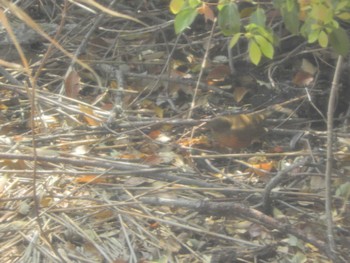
(315, 20)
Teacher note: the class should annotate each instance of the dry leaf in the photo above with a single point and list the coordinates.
(302, 79)
(148, 104)
(91, 179)
(46, 201)
(149, 148)
(154, 134)
(308, 67)
(239, 93)
(260, 166)
(201, 140)
(3, 107)
(158, 111)
(72, 84)
(105, 214)
(206, 11)
(218, 75)
(262, 169)
(305, 75)
(113, 84)
(14, 164)
(89, 120)
(153, 159)
(136, 181)
(129, 156)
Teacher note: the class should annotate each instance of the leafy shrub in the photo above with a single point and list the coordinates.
(315, 20)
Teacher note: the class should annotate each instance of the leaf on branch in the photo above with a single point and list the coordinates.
(206, 11)
(184, 19)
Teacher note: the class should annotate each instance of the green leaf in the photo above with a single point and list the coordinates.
(323, 39)
(313, 36)
(305, 29)
(291, 20)
(229, 20)
(345, 16)
(194, 3)
(333, 24)
(255, 29)
(184, 19)
(341, 6)
(322, 13)
(265, 46)
(222, 3)
(234, 40)
(290, 4)
(343, 190)
(258, 17)
(340, 41)
(254, 52)
(176, 5)
(265, 33)
(315, 27)
(278, 3)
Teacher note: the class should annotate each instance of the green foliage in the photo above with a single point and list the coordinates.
(290, 14)
(229, 20)
(254, 52)
(339, 40)
(176, 6)
(258, 17)
(316, 20)
(260, 42)
(184, 19)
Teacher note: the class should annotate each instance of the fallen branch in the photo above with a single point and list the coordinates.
(236, 209)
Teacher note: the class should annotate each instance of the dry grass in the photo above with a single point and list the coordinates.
(96, 159)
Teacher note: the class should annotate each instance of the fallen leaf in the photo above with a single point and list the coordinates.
(3, 107)
(105, 214)
(154, 134)
(136, 181)
(201, 140)
(89, 111)
(302, 78)
(129, 156)
(153, 159)
(305, 75)
(46, 201)
(239, 93)
(91, 179)
(72, 84)
(218, 75)
(261, 169)
(260, 166)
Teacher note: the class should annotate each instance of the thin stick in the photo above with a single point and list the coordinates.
(204, 62)
(328, 193)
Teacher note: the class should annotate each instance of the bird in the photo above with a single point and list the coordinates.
(240, 130)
